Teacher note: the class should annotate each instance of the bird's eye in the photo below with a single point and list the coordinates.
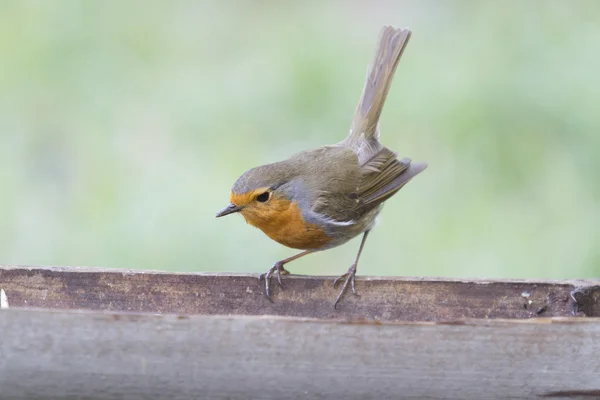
(263, 197)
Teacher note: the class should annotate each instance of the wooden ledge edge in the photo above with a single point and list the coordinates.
(133, 317)
(381, 298)
(130, 271)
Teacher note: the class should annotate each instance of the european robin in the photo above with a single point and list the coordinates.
(321, 198)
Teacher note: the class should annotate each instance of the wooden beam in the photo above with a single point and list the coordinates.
(384, 299)
(99, 334)
(90, 355)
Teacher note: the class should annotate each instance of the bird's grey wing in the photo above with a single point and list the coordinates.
(382, 176)
(334, 180)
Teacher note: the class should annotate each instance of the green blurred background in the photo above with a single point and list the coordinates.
(123, 125)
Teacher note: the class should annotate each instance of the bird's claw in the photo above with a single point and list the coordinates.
(350, 279)
(277, 269)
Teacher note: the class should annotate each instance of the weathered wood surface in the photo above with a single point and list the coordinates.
(385, 299)
(90, 355)
(101, 334)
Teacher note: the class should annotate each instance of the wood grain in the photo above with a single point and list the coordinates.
(80, 333)
(384, 299)
(91, 355)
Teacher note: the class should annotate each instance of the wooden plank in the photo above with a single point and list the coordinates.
(216, 336)
(384, 299)
(102, 355)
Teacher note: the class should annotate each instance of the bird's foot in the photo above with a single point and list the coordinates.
(350, 278)
(277, 269)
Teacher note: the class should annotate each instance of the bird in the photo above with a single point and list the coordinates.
(321, 198)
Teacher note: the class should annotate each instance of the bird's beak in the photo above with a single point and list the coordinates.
(230, 209)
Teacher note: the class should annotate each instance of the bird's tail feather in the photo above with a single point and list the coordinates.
(364, 126)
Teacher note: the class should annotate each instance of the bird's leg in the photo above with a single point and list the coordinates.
(350, 276)
(277, 269)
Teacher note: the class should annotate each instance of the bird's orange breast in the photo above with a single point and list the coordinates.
(282, 221)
